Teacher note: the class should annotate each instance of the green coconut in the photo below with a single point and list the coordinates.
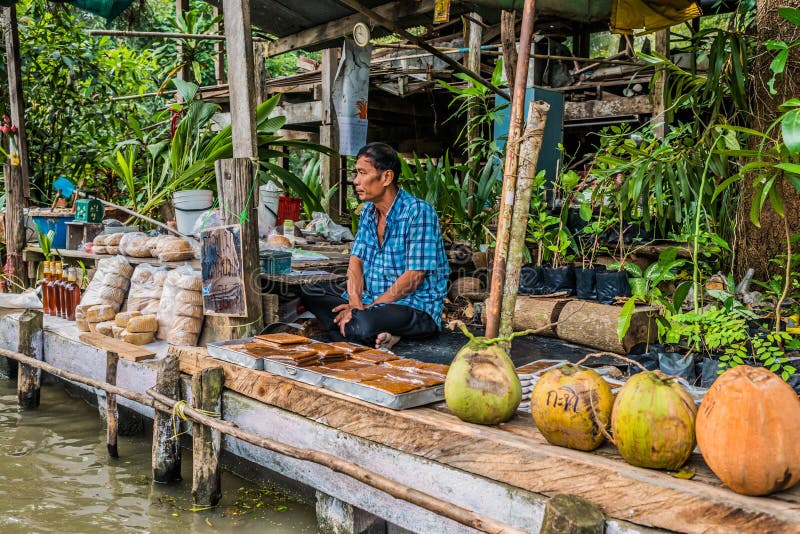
(482, 385)
(653, 422)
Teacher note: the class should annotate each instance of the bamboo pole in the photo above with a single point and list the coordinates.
(400, 491)
(509, 176)
(528, 158)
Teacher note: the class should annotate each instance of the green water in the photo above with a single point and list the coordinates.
(55, 476)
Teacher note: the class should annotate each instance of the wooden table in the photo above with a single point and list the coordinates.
(516, 454)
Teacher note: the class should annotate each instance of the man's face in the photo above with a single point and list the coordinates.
(370, 183)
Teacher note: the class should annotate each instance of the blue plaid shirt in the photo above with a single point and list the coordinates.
(412, 241)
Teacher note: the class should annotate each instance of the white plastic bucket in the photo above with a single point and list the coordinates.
(189, 206)
(268, 207)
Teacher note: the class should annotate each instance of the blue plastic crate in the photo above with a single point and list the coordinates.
(56, 222)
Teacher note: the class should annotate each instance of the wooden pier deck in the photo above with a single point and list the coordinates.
(505, 472)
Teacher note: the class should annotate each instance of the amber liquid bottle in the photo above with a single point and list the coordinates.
(76, 294)
(43, 286)
(69, 295)
(63, 295)
(55, 277)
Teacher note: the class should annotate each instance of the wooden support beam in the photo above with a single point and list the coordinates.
(300, 113)
(659, 87)
(220, 75)
(16, 99)
(237, 194)
(181, 7)
(206, 442)
(336, 29)
(329, 169)
(260, 74)
(16, 278)
(239, 48)
(573, 514)
(474, 38)
(338, 517)
(112, 416)
(419, 41)
(29, 343)
(508, 36)
(166, 447)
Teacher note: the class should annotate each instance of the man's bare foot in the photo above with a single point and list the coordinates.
(385, 340)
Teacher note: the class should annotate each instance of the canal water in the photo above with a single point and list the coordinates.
(55, 476)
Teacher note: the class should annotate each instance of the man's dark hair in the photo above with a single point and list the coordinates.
(383, 157)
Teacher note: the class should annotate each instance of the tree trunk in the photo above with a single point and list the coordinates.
(755, 246)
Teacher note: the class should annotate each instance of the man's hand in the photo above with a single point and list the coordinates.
(344, 312)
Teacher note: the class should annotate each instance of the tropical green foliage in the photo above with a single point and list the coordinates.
(445, 186)
(68, 81)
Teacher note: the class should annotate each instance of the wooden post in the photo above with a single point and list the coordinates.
(206, 442)
(239, 48)
(474, 40)
(112, 417)
(260, 75)
(185, 74)
(330, 168)
(219, 48)
(508, 37)
(15, 272)
(16, 100)
(166, 448)
(237, 192)
(659, 87)
(494, 304)
(338, 517)
(571, 514)
(29, 379)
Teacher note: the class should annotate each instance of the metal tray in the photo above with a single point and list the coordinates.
(220, 351)
(308, 376)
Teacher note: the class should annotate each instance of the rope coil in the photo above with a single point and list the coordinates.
(179, 415)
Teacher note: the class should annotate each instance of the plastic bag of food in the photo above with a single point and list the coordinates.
(180, 317)
(147, 284)
(135, 244)
(174, 249)
(110, 283)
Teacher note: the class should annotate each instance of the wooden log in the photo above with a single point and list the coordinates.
(338, 517)
(659, 88)
(166, 448)
(112, 416)
(29, 379)
(595, 325)
(571, 514)
(508, 35)
(206, 442)
(16, 277)
(532, 313)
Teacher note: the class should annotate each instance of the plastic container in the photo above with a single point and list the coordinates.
(275, 261)
(288, 208)
(56, 222)
(268, 207)
(189, 206)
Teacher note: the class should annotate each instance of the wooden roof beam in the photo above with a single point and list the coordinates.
(337, 28)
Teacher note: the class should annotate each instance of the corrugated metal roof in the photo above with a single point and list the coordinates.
(285, 17)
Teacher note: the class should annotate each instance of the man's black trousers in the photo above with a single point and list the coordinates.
(366, 324)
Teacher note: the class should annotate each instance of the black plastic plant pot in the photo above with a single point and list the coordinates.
(677, 364)
(531, 280)
(610, 285)
(585, 280)
(709, 368)
(559, 279)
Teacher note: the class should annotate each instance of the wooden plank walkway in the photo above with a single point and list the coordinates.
(516, 454)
